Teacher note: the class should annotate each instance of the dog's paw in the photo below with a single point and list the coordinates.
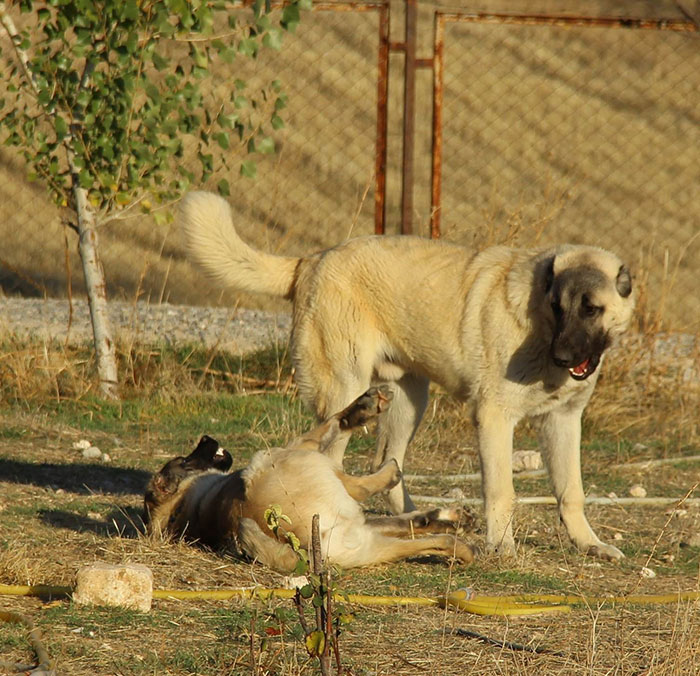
(504, 549)
(464, 552)
(605, 552)
(392, 472)
(451, 518)
(366, 407)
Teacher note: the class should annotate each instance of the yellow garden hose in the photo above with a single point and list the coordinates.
(461, 599)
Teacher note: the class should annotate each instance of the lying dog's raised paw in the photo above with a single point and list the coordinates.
(366, 407)
(393, 473)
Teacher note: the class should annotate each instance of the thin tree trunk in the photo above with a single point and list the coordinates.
(87, 245)
(97, 294)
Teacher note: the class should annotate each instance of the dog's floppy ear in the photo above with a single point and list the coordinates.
(209, 455)
(548, 274)
(623, 282)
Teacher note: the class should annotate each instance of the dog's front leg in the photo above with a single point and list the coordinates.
(395, 431)
(495, 433)
(560, 436)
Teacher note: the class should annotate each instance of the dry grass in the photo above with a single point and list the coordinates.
(521, 158)
(58, 512)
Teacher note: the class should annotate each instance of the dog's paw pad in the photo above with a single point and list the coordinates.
(366, 407)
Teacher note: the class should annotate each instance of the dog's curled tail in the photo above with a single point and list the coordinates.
(213, 243)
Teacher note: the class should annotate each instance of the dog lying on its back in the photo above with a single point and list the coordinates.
(194, 497)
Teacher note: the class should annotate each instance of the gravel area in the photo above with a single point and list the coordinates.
(239, 331)
(235, 330)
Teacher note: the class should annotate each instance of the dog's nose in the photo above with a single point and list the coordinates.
(562, 357)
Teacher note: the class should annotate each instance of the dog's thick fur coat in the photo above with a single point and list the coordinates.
(514, 332)
(194, 497)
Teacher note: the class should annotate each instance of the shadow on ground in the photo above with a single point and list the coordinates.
(124, 522)
(83, 479)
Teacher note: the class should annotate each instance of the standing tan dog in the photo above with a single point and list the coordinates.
(194, 497)
(515, 332)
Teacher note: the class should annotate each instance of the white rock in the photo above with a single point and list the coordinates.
(647, 572)
(81, 445)
(638, 491)
(92, 452)
(617, 536)
(103, 584)
(694, 540)
(526, 461)
(106, 457)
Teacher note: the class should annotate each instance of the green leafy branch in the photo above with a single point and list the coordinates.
(110, 94)
(319, 591)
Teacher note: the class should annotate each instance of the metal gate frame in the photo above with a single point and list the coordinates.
(441, 19)
(382, 7)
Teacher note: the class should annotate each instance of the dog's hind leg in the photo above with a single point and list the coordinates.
(266, 549)
(340, 425)
(396, 430)
(440, 520)
(380, 548)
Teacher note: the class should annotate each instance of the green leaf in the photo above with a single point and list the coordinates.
(306, 592)
(281, 102)
(61, 127)
(302, 566)
(159, 62)
(290, 18)
(227, 121)
(265, 145)
(273, 39)
(200, 58)
(249, 169)
(223, 187)
(223, 140)
(248, 47)
(315, 643)
(160, 217)
(276, 121)
(227, 55)
(85, 179)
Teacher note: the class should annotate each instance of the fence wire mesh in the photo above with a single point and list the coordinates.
(587, 134)
(578, 133)
(317, 189)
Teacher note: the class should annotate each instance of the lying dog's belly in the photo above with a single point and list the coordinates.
(302, 483)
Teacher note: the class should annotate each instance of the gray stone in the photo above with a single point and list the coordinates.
(92, 453)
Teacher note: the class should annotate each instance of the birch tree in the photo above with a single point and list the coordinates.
(101, 96)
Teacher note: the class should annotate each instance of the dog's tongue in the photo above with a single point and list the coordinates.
(581, 369)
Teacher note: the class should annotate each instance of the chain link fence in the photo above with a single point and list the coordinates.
(581, 133)
(316, 190)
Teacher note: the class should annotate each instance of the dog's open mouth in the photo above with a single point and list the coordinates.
(584, 369)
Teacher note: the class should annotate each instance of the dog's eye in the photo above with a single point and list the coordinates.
(590, 310)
